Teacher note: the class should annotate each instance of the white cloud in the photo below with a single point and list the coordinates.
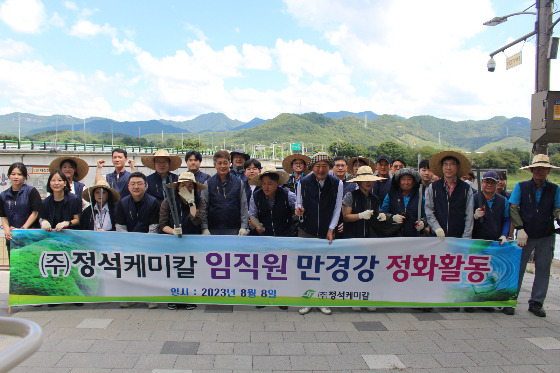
(24, 16)
(199, 35)
(70, 5)
(56, 20)
(85, 29)
(12, 49)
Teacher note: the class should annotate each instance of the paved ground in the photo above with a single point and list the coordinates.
(105, 338)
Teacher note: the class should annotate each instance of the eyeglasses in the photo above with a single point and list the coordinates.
(340, 165)
(449, 164)
(298, 163)
(138, 184)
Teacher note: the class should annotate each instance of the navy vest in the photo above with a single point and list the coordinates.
(224, 206)
(138, 221)
(201, 177)
(319, 204)
(70, 203)
(278, 221)
(381, 188)
(489, 227)
(360, 228)
(241, 176)
(537, 219)
(86, 220)
(18, 210)
(450, 211)
(155, 184)
(184, 212)
(122, 185)
(396, 206)
(78, 188)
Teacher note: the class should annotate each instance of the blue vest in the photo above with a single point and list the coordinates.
(122, 185)
(78, 188)
(138, 221)
(348, 187)
(537, 219)
(396, 206)
(489, 227)
(278, 221)
(319, 204)
(86, 220)
(184, 212)
(241, 176)
(18, 210)
(155, 184)
(70, 203)
(450, 211)
(201, 177)
(381, 188)
(360, 228)
(224, 206)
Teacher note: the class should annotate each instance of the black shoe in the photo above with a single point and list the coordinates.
(510, 311)
(283, 308)
(537, 309)
(78, 304)
(469, 309)
(171, 306)
(259, 307)
(53, 305)
(427, 309)
(488, 309)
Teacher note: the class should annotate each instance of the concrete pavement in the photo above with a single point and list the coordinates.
(106, 338)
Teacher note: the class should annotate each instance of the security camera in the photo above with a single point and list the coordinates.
(491, 65)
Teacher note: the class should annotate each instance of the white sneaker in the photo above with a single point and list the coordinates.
(371, 309)
(356, 309)
(151, 306)
(325, 310)
(304, 310)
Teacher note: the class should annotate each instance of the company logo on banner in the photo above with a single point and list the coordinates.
(85, 266)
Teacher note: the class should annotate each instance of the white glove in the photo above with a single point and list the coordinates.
(521, 237)
(243, 232)
(419, 225)
(177, 231)
(60, 226)
(440, 233)
(366, 215)
(381, 217)
(205, 232)
(45, 225)
(503, 240)
(478, 213)
(398, 219)
(188, 196)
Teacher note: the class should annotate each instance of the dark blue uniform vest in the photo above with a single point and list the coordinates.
(450, 211)
(201, 177)
(396, 206)
(71, 204)
(224, 206)
(18, 210)
(86, 220)
(360, 228)
(348, 187)
(78, 188)
(319, 204)
(241, 176)
(184, 212)
(249, 192)
(537, 219)
(122, 185)
(138, 221)
(381, 188)
(278, 221)
(489, 227)
(155, 184)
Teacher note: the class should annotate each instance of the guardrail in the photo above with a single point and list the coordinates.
(32, 338)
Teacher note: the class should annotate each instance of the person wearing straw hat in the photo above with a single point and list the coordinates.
(74, 168)
(449, 200)
(402, 202)
(118, 179)
(360, 205)
(272, 205)
(190, 206)
(227, 212)
(100, 214)
(534, 204)
(296, 166)
(356, 162)
(381, 187)
(162, 163)
(319, 202)
(238, 159)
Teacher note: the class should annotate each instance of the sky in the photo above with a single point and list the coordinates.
(177, 59)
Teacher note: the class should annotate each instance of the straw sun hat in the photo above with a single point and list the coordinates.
(464, 165)
(115, 196)
(365, 173)
(174, 160)
(287, 162)
(540, 160)
(82, 168)
(267, 170)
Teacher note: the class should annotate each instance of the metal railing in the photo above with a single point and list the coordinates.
(32, 338)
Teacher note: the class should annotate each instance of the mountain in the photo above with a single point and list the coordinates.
(29, 122)
(341, 114)
(129, 128)
(252, 123)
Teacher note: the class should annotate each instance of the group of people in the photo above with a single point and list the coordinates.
(318, 197)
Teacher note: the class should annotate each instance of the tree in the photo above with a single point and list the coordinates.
(346, 149)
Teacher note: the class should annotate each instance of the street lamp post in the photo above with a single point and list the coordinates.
(543, 30)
